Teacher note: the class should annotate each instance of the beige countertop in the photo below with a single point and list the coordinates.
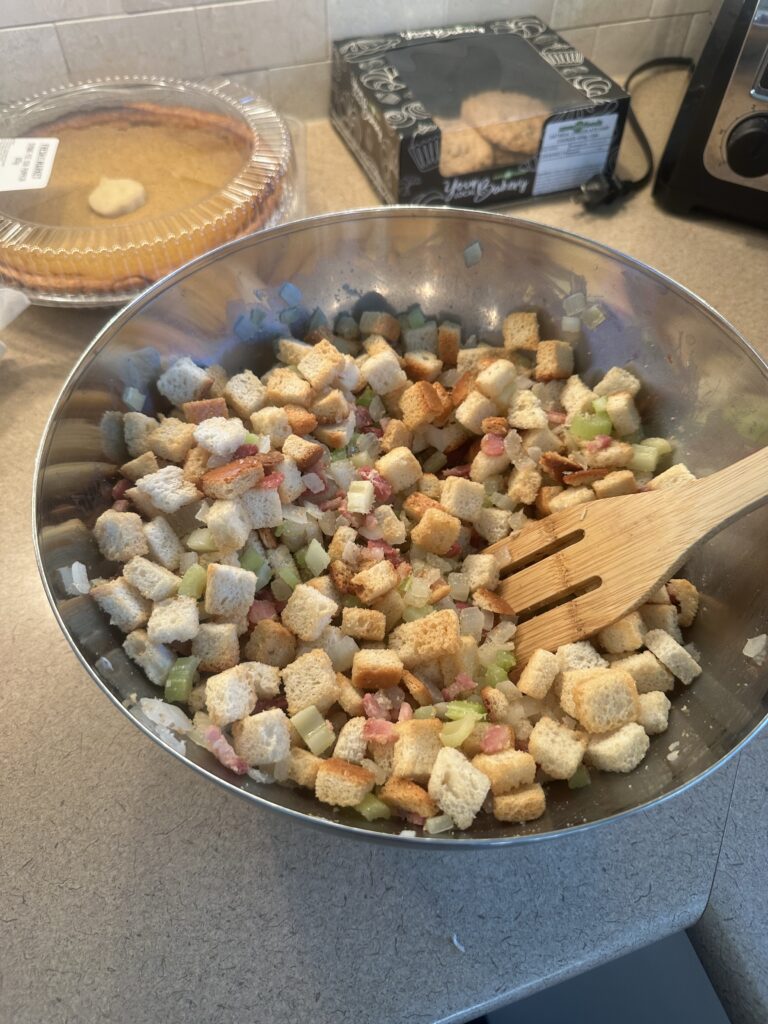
(132, 890)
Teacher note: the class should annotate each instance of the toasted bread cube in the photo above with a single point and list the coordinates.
(457, 786)
(554, 361)
(382, 371)
(396, 435)
(307, 612)
(195, 465)
(263, 738)
(617, 379)
(544, 499)
(618, 751)
(229, 523)
(342, 784)
(422, 365)
(232, 479)
(521, 332)
(351, 745)
(571, 497)
(304, 453)
(507, 770)
(229, 696)
(302, 421)
(576, 397)
(565, 684)
(310, 679)
(120, 535)
(331, 408)
(579, 655)
(375, 581)
(291, 351)
(483, 466)
(496, 425)
(262, 508)
(524, 484)
(151, 580)
(303, 767)
(124, 605)
(462, 498)
(416, 749)
(620, 482)
(417, 689)
(493, 524)
(623, 413)
(154, 659)
(606, 700)
(672, 656)
(164, 546)
(400, 468)
(431, 486)
(245, 393)
(686, 597)
(419, 404)
(229, 590)
(322, 365)
(284, 387)
(539, 674)
(661, 616)
(628, 634)
(473, 410)
(363, 623)
(482, 570)
(336, 435)
(350, 699)
(172, 439)
(136, 429)
(616, 456)
(437, 531)
(557, 749)
(497, 382)
(273, 422)
(672, 477)
(524, 804)
(217, 646)
(526, 412)
(340, 539)
(183, 381)
(324, 585)
(392, 528)
(434, 636)
(647, 671)
(448, 342)
(139, 467)
(408, 797)
(654, 712)
(271, 643)
(377, 322)
(172, 620)
(376, 669)
(392, 606)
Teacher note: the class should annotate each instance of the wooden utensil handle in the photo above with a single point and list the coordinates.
(707, 505)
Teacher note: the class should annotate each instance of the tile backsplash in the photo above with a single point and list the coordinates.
(281, 47)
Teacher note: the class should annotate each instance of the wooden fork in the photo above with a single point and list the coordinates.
(597, 562)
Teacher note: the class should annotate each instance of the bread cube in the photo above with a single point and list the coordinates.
(124, 605)
(557, 749)
(173, 620)
(321, 365)
(457, 786)
(262, 508)
(448, 342)
(422, 365)
(351, 745)
(576, 397)
(579, 655)
(376, 669)
(229, 696)
(229, 590)
(615, 380)
(229, 523)
(661, 616)
(139, 467)
(686, 597)
(307, 612)
(164, 546)
(565, 684)
(539, 674)
(263, 738)
(336, 435)
(152, 581)
(304, 453)
(672, 477)
(672, 655)
(653, 714)
(627, 634)
(462, 498)
(284, 387)
(172, 439)
(416, 749)
(196, 412)
(606, 700)
(375, 581)
(473, 410)
(303, 767)
(217, 646)
(482, 570)
(392, 606)
(554, 361)
(647, 671)
(219, 436)
(420, 405)
(497, 382)
(622, 481)
(524, 484)
(183, 381)
(342, 784)
(400, 468)
(434, 636)
(271, 643)
(521, 332)
(382, 371)
(437, 531)
(571, 497)
(396, 435)
(350, 699)
(524, 804)
(273, 422)
(483, 466)
(154, 659)
(120, 535)
(291, 351)
(526, 412)
(623, 413)
(408, 797)
(507, 770)
(493, 524)
(379, 322)
(619, 751)
(363, 623)
(137, 429)
(309, 680)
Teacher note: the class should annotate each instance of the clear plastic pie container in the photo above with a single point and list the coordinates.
(215, 162)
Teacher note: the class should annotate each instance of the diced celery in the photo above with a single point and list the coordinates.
(307, 720)
(506, 659)
(288, 575)
(263, 576)
(339, 455)
(372, 808)
(366, 396)
(435, 462)
(251, 560)
(193, 582)
(278, 530)
(644, 459)
(580, 778)
(494, 675)
(586, 427)
(439, 823)
(456, 709)
(600, 404)
(453, 734)
(411, 614)
(415, 316)
(300, 558)
(251, 439)
(317, 558)
(179, 681)
(361, 459)
(320, 739)
(350, 601)
(661, 444)
(428, 711)
(280, 590)
(201, 540)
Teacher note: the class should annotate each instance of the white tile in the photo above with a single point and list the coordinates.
(583, 39)
(32, 12)
(162, 43)
(137, 6)
(698, 33)
(574, 13)
(31, 61)
(486, 10)
(620, 48)
(348, 18)
(302, 92)
(663, 8)
(262, 34)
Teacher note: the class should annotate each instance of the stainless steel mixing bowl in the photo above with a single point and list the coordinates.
(704, 386)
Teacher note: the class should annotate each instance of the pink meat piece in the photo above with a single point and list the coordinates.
(415, 819)
(495, 739)
(245, 450)
(379, 729)
(221, 749)
(556, 418)
(362, 418)
(405, 713)
(456, 471)
(599, 443)
(391, 553)
(492, 444)
(381, 487)
(118, 491)
(373, 708)
(271, 481)
(461, 684)
(123, 505)
(261, 610)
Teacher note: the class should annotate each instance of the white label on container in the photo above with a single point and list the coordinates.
(572, 151)
(26, 163)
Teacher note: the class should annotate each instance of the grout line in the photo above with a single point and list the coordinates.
(722, 842)
(63, 51)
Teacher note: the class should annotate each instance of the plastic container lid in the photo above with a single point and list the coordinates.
(212, 160)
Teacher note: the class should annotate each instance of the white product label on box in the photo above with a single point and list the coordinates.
(26, 163)
(572, 151)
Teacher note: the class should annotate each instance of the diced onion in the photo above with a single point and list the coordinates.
(317, 558)
(459, 584)
(167, 715)
(134, 398)
(574, 304)
(417, 595)
(439, 823)
(296, 515)
(349, 552)
(756, 648)
(80, 581)
(471, 622)
(313, 483)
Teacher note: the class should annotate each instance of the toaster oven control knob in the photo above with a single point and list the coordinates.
(747, 147)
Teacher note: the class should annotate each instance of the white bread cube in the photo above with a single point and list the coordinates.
(434, 636)
(524, 484)
(606, 700)
(172, 439)
(351, 745)
(396, 435)
(124, 605)
(485, 466)
(120, 535)
(304, 453)
(457, 787)
(617, 379)
(220, 436)
(617, 455)
(229, 695)
(229, 523)
(183, 381)
(292, 485)
(493, 524)
(375, 581)
(437, 531)
(382, 371)
(647, 671)
(291, 351)
(271, 643)
(497, 381)
(571, 497)
(375, 669)
(336, 435)
(686, 596)
(154, 659)
(416, 749)
(173, 620)
(217, 646)
(137, 429)
(507, 770)
(422, 365)
(400, 468)
(557, 749)
(579, 655)
(482, 570)
(219, 376)
(576, 397)
(307, 612)
(672, 477)
(464, 659)
(284, 387)
(321, 365)
(303, 767)
(539, 674)
(554, 361)
(628, 634)
(621, 481)
(341, 784)
(262, 508)
(151, 580)
(470, 360)
(140, 466)
(661, 616)
(619, 751)
(331, 407)
(272, 421)
(263, 738)
(521, 332)
(245, 393)
(565, 684)
(462, 498)
(654, 712)
(168, 490)
(164, 546)
(229, 590)
(431, 486)
(526, 412)
(363, 623)
(622, 413)
(309, 680)
(393, 530)
(524, 804)
(672, 656)
(473, 410)
(142, 503)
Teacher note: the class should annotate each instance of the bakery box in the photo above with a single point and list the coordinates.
(468, 115)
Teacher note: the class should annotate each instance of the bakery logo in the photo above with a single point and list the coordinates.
(425, 151)
(407, 116)
(383, 82)
(357, 50)
(528, 28)
(365, 111)
(593, 86)
(481, 190)
(448, 32)
(561, 55)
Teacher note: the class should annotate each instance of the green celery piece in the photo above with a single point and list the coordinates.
(251, 439)
(600, 404)
(372, 808)
(506, 659)
(494, 675)
(339, 455)
(428, 711)
(193, 582)
(579, 779)
(288, 575)
(300, 557)
(179, 682)
(453, 734)
(587, 427)
(366, 396)
(456, 709)
(251, 560)
(263, 576)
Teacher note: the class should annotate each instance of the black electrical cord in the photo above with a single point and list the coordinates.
(602, 189)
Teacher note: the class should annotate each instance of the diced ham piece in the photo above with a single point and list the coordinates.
(118, 491)
(405, 713)
(379, 729)
(556, 418)
(381, 487)
(495, 739)
(123, 505)
(362, 418)
(332, 504)
(456, 471)
(415, 819)
(262, 610)
(453, 551)
(461, 684)
(271, 482)
(373, 708)
(244, 451)
(389, 552)
(223, 752)
(492, 444)
(599, 443)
